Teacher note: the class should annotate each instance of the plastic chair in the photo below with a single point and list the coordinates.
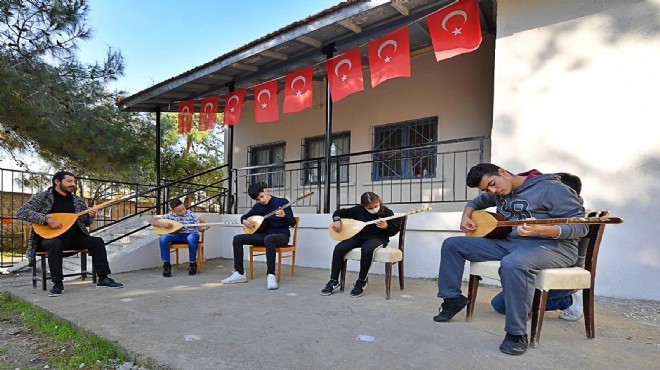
(569, 278)
(260, 250)
(174, 247)
(388, 256)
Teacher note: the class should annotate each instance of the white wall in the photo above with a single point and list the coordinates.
(576, 89)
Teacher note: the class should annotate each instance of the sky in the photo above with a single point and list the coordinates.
(160, 39)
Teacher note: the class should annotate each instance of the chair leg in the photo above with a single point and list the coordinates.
(279, 264)
(342, 279)
(176, 251)
(473, 286)
(588, 307)
(34, 274)
(251, 264)
(538, 311)
(293, 261)
(43, 273)
(200, 257)
(388, 279)
(400, 264)
(83, 266)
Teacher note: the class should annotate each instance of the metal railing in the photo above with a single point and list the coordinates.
(430, 173)
(16, 188)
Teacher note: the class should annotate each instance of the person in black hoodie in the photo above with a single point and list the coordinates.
(369, 239)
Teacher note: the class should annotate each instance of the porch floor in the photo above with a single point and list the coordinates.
(195, 322)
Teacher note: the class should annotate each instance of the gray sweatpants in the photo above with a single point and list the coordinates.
(520, 259)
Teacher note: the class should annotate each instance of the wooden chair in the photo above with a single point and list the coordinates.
(260, 250)
(44, 256)
(388, 256)
(174, 247)
(570, 278)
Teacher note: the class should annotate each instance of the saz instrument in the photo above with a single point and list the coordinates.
(495, 226)
(68, 219)
(176, 226)
(350, 227)
(261, 222)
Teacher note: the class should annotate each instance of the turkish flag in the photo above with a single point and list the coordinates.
(455, 29)
(265, 102)
(298, 90)
(233, 105)
(389, 56)
(345, 74)
(186, 110)
(208, 113)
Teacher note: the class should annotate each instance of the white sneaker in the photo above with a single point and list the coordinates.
(235, 278)
(574, 312)
(271, 282)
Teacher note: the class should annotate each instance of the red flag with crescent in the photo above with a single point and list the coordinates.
(265, 102)
(455, 29)
(298, 90)
(186, 110)
(233, 105)
(389, 56)
(208, 113)
(345, 74)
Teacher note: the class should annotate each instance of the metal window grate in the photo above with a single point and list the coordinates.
(267, 154)
(314, 149)
(402, 163)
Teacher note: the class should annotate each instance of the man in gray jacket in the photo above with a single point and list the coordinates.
(60, 198)
(528, 195)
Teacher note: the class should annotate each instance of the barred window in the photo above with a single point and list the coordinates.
(265, 154)
(314, 147)
(402, 163)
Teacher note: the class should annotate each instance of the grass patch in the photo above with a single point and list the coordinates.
(65, 346)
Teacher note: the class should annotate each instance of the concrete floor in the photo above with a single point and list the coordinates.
(195, 322)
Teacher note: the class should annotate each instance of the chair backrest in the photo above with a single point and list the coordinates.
(595, 236)
(295, 232)
(402, 232)
(201, 221)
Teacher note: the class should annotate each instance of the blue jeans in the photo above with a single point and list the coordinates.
(557, 300)
(165, 240)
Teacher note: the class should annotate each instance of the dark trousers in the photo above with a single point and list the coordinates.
(271, 241)
(367, 249)
(56, 247)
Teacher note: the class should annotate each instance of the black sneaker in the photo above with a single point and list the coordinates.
(57, 290)
(358, 287)
(109, 283)
(514, 345)
(192, 268)
(167, 269)
(330, 287)
(450, 307)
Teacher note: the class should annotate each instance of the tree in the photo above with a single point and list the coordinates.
(56, 106)
(189, 154)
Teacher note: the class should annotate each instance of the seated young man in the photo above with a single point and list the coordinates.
(187, 234)
(569, 302)
(275, 235)
(527, 248)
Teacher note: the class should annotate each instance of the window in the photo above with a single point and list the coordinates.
(401, 163)
(266, 154)
(314, 147)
